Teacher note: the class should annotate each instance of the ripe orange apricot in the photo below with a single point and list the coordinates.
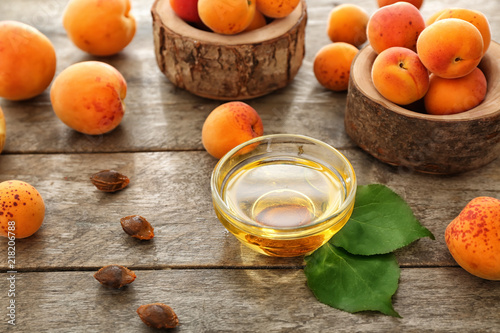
(22, 209)
(450, 48)
(229, 125)
(476, 18)
(27, 61)
(258, 22)
(227, 17)
(399, 75)
(347, 23)
(276, 8)
(88, 97)
(416, 3)
(434, 16)
(332, 65)
(398, 24)
(473, 238)
(449, 96)
(99, 27)
(186, 10)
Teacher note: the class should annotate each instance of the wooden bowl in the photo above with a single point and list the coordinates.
(236, 67)
(418, 141)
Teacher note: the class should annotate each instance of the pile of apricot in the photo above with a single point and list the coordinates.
(231, 17)
(87, 96)
(434, 61)
(449, 47)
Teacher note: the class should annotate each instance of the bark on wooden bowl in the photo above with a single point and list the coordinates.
(236, 67)
(418, 141)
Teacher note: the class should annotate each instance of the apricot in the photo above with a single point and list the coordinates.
(434, 16)
(473, 238)
(229, 125)
(258, 22)
(332, 65)
(476, 18)
(416, 3)
(276, 8)
(399, 75)
(449, 96)
(227, 17)
(399, 24)
(88, 97)
(22, 209)
(347, 23)
(186, 10)
(99, 27)
(27, 61)
(450, 48)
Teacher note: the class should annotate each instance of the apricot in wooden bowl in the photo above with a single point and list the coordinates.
(408, 137)
(242, 66)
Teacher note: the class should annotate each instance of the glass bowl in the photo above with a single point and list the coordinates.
(283, 195)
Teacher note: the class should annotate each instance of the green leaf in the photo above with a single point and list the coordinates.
(381, 222)
(351, 282)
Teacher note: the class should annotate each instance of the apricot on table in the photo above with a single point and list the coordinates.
(347, 23)
(99, 27)
(416, 3)
(399, 24)
(473, 238)
(229, 125)
(88, 97)
(27, 61)
(450, 48)
(227, 17)
(399, 75)
(476, 18)
(22, 209)
(277, 8)
(449, 96)
(332, 65)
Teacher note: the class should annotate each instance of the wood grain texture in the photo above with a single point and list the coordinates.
(160, 116)
(172, 191)
(226, 300)
(193, 264)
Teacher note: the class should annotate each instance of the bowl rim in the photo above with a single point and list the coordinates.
(473, 114)
(286, 231)
(267, 33)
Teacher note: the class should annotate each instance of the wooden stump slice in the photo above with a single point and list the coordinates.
(223, 67)
(445, 144)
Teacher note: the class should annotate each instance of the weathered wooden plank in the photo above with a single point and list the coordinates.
(172, 190)
(158, 116)
(161, 117)
(160, 127)
(170, 172)
(278, 300)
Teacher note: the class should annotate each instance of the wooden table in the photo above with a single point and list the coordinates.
(193, 264)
